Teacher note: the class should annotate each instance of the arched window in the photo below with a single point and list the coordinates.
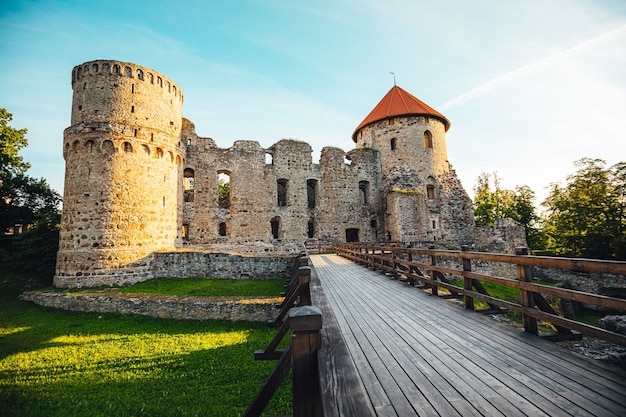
(151, 78)
(127, 147)
(107, 147)
(428, 139)
(223, 189)
(89, 146)
(95, 68)
(430, 191)
(364, 190)
(79, 73)
(128, 72)
(140, 74)
(394, 143)
(188, 184)
(281, 188)
(146, 149)
(160, 81)
(116, 69)
(159, 153)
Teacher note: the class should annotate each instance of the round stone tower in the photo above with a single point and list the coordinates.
(124, 161)
(422, 199)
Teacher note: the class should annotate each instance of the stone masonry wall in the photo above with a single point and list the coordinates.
(160, 306)
(187, 264)
(124, 161)
(139, 180)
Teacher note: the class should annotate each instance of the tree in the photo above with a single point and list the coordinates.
(490, 205)
(586, 217)
(517, 204)
(11, 142)
(27, 201)
(223, 191)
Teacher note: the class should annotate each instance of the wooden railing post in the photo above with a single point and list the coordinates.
(306, 340)
(528, 300)
(304, 279)
(393, 263)
(304, 260)
(300, 291)
(433, 275)
(467, 282)
(411, 270)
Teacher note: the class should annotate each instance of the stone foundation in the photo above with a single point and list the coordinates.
(160, 306)
(198, 264)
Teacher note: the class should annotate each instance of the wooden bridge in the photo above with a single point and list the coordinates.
(388, 349)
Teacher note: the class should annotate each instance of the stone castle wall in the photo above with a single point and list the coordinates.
(124, 162)
(139, 180)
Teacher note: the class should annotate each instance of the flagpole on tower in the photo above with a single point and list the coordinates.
(394, 78)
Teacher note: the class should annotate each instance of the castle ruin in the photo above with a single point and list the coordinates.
(139, 181)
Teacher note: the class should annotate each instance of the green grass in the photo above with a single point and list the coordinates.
(591, 317)
(208, 287)
(59, 363)
(507, 293)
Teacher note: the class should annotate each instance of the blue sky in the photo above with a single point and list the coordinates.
(530, 86)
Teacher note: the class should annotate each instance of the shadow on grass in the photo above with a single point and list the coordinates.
(59, 363)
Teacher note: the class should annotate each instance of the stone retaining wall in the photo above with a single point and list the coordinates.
(161, 306)
(198, 264)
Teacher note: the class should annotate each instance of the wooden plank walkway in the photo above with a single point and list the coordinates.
(417, 354)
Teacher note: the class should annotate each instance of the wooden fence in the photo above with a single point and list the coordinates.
(301, 356)
(431, 268)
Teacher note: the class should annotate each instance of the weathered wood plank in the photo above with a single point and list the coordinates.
(474, 327)
(456, 360)
(343, 391)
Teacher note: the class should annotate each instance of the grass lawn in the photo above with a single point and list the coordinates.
(504, 292)
(59, 363)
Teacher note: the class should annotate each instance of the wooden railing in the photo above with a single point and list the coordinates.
(431, 268)
(301, 356)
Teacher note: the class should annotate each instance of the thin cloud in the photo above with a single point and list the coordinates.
(529, 68)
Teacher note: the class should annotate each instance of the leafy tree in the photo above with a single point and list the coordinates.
(494, 203)
(34, 253)
(11, 142)
(27, 201)
(490, 205)
(223, 191)
(586, 216)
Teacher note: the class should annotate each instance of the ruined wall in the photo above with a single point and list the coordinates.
(221, 265)
(279, 194)
(503, 237)
(161, 306)
(140, 180)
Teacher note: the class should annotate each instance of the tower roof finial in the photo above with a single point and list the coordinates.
(394, 78)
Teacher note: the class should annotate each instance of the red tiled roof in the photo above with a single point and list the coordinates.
(399, 102)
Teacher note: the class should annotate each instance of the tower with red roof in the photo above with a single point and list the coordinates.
(421, 197)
